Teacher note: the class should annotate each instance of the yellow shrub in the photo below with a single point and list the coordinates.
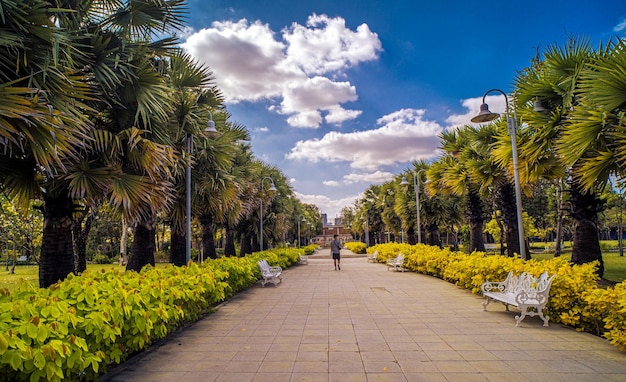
(575, 298)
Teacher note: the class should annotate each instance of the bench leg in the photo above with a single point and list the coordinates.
(485, 303)
(544, 318)
(523, 312)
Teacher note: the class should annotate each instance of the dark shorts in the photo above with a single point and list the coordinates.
(336, 256)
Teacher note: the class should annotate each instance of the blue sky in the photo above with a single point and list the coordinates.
(343, 94)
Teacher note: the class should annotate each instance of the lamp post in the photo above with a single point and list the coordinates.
(303, 219)
(416, 187)
(367, 233)
(272, 188)
(487, 116)
(210, 129)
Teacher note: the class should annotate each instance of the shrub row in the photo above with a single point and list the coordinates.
(355, 246)
(76, 328)
(575, 298)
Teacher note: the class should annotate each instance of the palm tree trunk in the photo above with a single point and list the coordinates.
(229, 244)
(57, 250)
(142, 249)
(123, 242)
(178, 248)
(584, 211)
(81, 233)
(208, 237)
(246, 245)
(506, 201)
(476, 217)
(559, 219)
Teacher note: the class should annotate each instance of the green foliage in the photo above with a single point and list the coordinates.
(73, 329)
(101, 259)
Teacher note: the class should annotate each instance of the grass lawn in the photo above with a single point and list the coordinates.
(614, 264)
(31, 273)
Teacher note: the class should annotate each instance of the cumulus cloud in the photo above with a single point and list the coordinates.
(369, 178)
(263, 129)
(330, 183)
(332, 207)
(497, 104)
(402, 136)
(620, 27)
(296, 70)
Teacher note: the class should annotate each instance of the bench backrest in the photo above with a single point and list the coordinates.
(527, 282)
(399, 259)
(265, 267)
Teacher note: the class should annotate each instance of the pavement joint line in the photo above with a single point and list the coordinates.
(392, 326)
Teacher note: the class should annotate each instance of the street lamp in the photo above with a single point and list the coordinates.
(272, 188)
(367, 233)
(210, 129)
(303, 219)
(416, 187)
(487, 116)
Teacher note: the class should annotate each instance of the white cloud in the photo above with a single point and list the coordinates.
(330, 183)
(497, 104)
(332, 207)
(298, 71)
(404, 136)
(620, 27)
(263, 129)
(326, 45)
(374, 177)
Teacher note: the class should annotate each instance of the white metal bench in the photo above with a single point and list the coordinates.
(269, 273)
(303, 259)
(524, 292)
(396, 263)
(373, 257)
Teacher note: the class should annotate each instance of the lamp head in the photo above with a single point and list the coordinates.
(210, 130)
(404, 181)
(272, 187)
(540, 107)
(485, 115)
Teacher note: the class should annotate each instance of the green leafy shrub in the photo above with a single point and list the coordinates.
(73, 329)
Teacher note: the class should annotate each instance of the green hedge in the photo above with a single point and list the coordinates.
(73, 329)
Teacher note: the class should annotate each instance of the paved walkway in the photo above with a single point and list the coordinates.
(364, 323)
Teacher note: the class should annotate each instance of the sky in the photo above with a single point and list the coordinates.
(344, 94)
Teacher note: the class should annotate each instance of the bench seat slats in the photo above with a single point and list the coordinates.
(526, 292)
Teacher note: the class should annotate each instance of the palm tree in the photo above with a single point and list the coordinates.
(566, 135)
(44, 123)
(450, 175)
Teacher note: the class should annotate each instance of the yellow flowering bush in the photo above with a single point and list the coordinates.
(575, 298)
(355, 246)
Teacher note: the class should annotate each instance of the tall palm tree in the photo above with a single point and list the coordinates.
(563, 134)
(219, 191)
(450, 175)
(594, 137)
(44, 124)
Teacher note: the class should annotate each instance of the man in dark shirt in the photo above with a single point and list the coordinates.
(335, 248)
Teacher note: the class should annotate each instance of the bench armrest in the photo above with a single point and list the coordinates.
(491, 286)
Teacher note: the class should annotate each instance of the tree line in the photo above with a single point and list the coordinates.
(100, 110)
(569, 104)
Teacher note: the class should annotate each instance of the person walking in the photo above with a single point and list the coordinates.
(335, 248)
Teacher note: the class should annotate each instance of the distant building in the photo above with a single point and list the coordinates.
(324, 220)
(327, 235)
(337, 222)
